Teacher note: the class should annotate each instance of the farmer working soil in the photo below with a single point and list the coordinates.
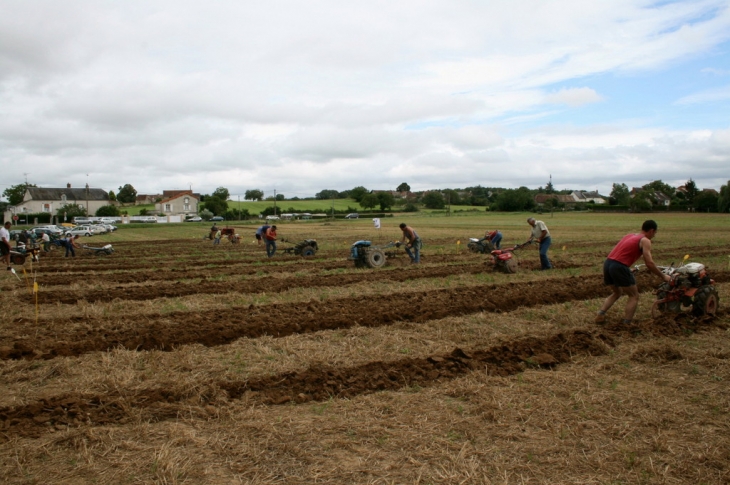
(414, 243)
(260, 233)
(5, 243)
(70, 243)
(495, 237)
(542, 235)
(617, 272)
(270, 239)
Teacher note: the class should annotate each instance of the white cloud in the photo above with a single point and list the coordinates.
(708, 96)
(165, 94)
(574, 97)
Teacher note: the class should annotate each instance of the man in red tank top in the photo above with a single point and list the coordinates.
(617, 272)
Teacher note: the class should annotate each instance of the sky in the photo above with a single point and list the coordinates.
(296, 97)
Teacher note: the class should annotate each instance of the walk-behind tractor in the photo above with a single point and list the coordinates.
(226, 232)
(504, 259)
(364, 254)
(21, 252)
(106, 249)
(482, 245)
(306, 248)
(690, 288)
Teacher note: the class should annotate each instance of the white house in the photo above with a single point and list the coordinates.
(182, 202)
(38, 199)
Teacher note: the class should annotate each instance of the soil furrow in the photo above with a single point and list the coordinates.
(320, 382)
(314, 384)
(219, 327)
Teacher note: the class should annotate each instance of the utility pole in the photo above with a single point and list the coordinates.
(87, 196)
(239, 207)
(274, 201)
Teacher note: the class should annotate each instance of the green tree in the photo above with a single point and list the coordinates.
(515, 200)
(642, 201)
(107, 211)
(327, 194)
(368, 201)
(386, 200)
(15, 193)
(358, 193)
(215, 204)
(280, 197)
(707, 201)
(69, 211)
(404, 187)
(723, 202)
(222, 193)
(433, 200)
(691, 192)
(254, 194)
(451, 196)
(549, 189)
(127, 194)
(112, 196)
(620, 193)
(660, 186)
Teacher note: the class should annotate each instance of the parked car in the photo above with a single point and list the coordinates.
(272, 218)
(54, 230)
(354, 215)
(39, 231)
(217, 218)
(99, 228)
(81, 231)
(194, 219)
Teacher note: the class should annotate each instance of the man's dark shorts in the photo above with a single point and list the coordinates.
(4, 248)
(617, 274)
(258, 236)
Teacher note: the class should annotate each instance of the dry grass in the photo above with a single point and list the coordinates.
(653, 410)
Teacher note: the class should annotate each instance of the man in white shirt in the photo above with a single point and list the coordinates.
(5, 243)
(542, 235)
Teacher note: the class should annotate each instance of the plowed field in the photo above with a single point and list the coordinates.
(174, 361)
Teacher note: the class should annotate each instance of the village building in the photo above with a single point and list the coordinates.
(177, 202)
(49, 200)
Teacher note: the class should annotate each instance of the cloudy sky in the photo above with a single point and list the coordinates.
(299, 96)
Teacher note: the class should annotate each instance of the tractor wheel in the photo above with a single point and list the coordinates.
(705, 301)
(307, 252)
(661, 294)
(474, 247)
(510, 266)
(375, 258)
(359, 263)
(18, 259)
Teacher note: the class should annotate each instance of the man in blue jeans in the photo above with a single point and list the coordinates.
(542, 235)
(270, 240)
(414, 244)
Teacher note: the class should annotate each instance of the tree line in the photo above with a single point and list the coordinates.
(493, 198)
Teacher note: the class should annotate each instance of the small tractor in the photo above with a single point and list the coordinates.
(227, 232)
(364, 254)
(690, 288)
(106, 249)
(483, 245)
(306, 248)
(18, 255)
(504, 259)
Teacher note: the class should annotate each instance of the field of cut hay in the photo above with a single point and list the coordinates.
(174, 361)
